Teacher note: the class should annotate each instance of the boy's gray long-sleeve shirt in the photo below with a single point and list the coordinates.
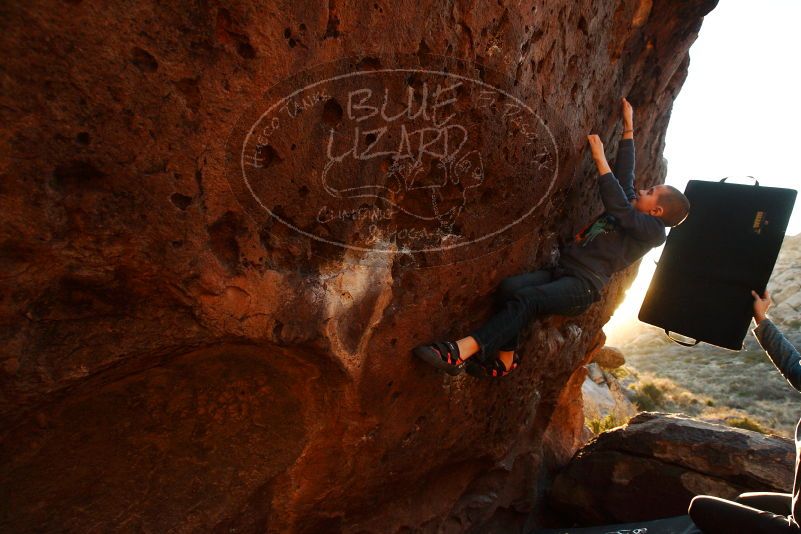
(788, 361)
(621, 235)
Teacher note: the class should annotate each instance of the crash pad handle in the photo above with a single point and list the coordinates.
(674, 340)
(756, 182)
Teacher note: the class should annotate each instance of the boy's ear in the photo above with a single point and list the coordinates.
(658, 211)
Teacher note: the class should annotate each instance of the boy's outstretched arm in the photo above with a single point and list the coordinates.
(641, 226)
(628, 119)
(624, 161)
(598, 156)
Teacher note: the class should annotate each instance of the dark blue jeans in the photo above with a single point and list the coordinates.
(522, 297)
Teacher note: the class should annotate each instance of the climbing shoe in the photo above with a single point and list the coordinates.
(442, 355)
(491, 369)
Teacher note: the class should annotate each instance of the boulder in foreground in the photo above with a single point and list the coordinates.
(653, 466)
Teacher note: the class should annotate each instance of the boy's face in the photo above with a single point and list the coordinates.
(647, 200)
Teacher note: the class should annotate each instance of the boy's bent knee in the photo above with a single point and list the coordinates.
(506, 290)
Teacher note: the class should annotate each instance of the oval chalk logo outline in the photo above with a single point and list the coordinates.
(444, 247)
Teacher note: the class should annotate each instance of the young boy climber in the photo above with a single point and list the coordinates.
(632, 223)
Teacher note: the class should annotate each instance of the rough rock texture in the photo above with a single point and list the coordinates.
(171, 363)
(609, 358)
(656, 464)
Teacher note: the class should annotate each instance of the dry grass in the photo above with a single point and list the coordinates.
(651, 393)
(619, 415)
(741, 388)
(610, 421)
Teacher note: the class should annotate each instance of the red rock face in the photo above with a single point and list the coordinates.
(175, 359)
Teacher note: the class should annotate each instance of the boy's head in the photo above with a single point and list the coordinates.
(665, 202)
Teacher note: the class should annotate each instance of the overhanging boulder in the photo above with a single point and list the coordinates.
(175, 359)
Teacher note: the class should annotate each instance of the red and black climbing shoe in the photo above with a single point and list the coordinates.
(491, 369)
(442, 355)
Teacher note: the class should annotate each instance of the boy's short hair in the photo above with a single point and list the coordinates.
(675, 206)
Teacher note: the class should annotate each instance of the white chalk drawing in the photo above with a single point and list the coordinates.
(417, 156)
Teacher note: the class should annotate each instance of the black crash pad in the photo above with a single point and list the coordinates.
(726, 247)
(670, 525)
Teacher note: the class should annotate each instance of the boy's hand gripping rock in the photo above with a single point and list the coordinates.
(596, 146)
(628, 114)
(597, 149)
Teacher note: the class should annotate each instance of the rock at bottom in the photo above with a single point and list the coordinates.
(656, 464)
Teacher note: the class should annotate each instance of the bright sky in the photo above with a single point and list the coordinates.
(738, 113)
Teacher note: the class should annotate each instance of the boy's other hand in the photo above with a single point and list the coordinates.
(761, 305)
(628, 114)
(597, 149)
(596, 146)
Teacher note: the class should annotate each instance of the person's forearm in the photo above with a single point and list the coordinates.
(628, 130)
(628, 127)
(602, 165)
(784, 356)
(624, 166)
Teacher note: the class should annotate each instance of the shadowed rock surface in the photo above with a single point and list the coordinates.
(653, 466)
(172, 363)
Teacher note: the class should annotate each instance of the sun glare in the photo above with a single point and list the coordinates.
(624, 320)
